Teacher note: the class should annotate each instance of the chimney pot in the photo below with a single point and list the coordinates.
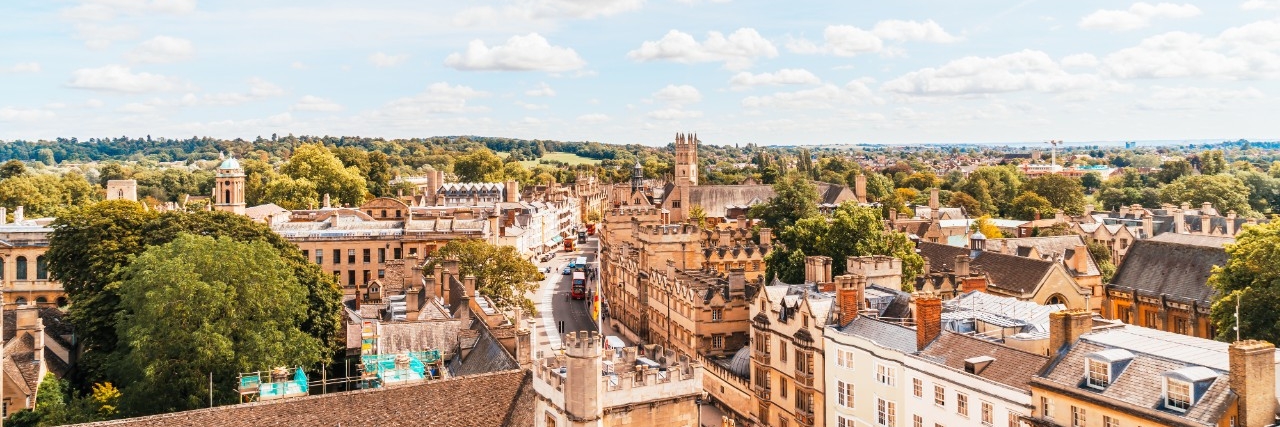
(928, 319)
(1066, 326)
(1253, 379)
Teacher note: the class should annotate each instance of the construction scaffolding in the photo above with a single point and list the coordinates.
(382, 370)
(278, 383)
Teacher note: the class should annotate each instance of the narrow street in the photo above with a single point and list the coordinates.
(557, 313)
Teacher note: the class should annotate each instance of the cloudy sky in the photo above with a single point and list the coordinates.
(638, 71)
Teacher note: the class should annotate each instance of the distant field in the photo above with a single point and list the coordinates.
(568, 158)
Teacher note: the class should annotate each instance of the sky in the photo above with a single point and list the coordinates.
(638, 71)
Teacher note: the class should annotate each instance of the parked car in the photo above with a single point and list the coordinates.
(566, 271)
(548, 257)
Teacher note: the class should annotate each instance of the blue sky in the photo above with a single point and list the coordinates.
(638, 71)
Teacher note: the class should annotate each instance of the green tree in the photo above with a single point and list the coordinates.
(291, 193)
(1251, 280)
(968, 203)
(479, 166)
(379, 176)
(1212, 162)
(1226, 192)
(343, 184)
(1063, 192)
(1172, 170)
(994, 187)
(921, 181)
(1264, 191)
(45, 155)
(501, 273)
(1027, 205)
(12, 168)
(1101, 254)
(786, 265)
(794, 198)
(113, 171)
(1091, 181)
(91, 245)
(698, 216)
(879, 187)
(199, 305)
(852, 230)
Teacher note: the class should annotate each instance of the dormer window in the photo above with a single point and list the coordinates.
(1101, 368)
(1184, 386)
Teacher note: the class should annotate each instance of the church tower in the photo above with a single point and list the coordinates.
(686, 159)
(228, 187)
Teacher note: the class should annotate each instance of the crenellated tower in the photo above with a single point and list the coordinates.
(686, 159)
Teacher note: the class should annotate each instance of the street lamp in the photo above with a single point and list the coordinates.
(701, 398)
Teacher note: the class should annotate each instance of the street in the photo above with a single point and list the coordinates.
(558, 313)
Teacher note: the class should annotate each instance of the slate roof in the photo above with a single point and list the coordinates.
(715, 199)
(1009, 272)
(1011, 367)
(497, 399)
(397, 337)
(1176, 265)
(1052, 245)
(885, 334)
(487, 355)
(1138, 387)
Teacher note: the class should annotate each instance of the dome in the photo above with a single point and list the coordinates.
(229, 163)
(741, 362)
(977, 235)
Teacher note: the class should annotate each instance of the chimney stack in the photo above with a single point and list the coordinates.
(326, 201)
(4, 216)
(742, 222)
(973, 283)
(933, 200)
(848, 298)
(17, 214)
(1231, 223)
(737, 281)
(1066, 326)
(1205, 208)
(928, 319)
(893, 215)
(817, 269)
(860, 188)
(469, 284)
(1253, 379)
(1148, 227)
(766, 236)
(512, 188)
(962, 266)
(1080, 258)
(1204, 223)
(1179, 218)
(671, 269)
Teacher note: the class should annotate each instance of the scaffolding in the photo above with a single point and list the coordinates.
(279, 383)
(383, 370)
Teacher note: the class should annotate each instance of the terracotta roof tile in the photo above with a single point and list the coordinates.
(1011, 367)
(1009, 272)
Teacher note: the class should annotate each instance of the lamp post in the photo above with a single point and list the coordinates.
(701, 398)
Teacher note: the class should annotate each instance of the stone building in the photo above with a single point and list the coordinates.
(228, 187)
(1129, 375)
(37, 341)
(24, 270)
(589, 386)
(788, 371)
(1044, 281)
(1163, 284)
(122, 189)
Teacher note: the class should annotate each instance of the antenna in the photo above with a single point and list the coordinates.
(1237, 315)
(1054, 150)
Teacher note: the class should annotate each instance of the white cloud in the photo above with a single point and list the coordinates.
(22, 67)
(583, 8)
(1138, 15)
(840, 40)
(97, 36)
(825, 96)
(1246, 52)
(298, 65)
(927, 31)
(162, 49)
(673, 114)
(593, 118)
(91, 18)
(519, 53)
(1260, 5)
(136, 108)
(117, 78)
(259, 88)
(785, 76)
(531, 106)
(1196, 98)
(542, 90)
(678, 95)
(1026, 70)
(737, 51)
(1080, 60)
(439, 98)
(315, 103)
(10, 114)
(382, 60)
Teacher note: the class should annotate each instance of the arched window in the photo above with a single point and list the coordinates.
(1056, 299)
(42, 300)
(21, 301)
(42, 268)
(22, 268)
(62, 301)
(1, 268)
(226, 196)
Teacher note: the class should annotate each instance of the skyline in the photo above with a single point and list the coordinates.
(637, 71)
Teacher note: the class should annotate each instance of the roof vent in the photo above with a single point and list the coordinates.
(975, 365)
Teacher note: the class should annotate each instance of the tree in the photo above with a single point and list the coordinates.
(107, 399)
(199, 305)
(1212, 162)
(988, 228)
(344, 184)
(1172, 170)
(1225, 192)
(1101, 254)
(479, 166)
(45, 155)
(112, 171)
(921, 181)
(994, 187)
(698, 216)
(966, 202)
(12, 168)
(1091, 181)
(1264, 191)
(91, 245)
(1027, 205)
(501, 273)
(852, 230)
(1063, 192)
(794, 198)
(1251, 280)
(379, 176)
(290, 193)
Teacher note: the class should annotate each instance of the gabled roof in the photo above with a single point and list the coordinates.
(884, 334)
(1176, 265)
(498, 399)
(716, 199)
(1008, 272)
(1045, 246)
(1010, 367)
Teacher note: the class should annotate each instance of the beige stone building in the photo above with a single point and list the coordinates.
(590, 386)
(1043, 281)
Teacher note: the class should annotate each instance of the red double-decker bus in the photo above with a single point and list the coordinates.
(579, 287)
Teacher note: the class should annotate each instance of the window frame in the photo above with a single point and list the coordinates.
(844, 394)
(962, 404)
(886, 375)
(939, 396)
(917, 388)
(1167, 395)
(1089, 373)
(886, 412)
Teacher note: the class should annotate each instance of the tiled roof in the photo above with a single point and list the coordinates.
(487, 355)
(1050, 245)
(885, 334)
(498, 399)
(1011, 367)
(1138, 387)
(715, 199)
(397, 337)
(1172, 264)
(1008, 272)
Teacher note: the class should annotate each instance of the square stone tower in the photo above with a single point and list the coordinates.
(686, 159)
